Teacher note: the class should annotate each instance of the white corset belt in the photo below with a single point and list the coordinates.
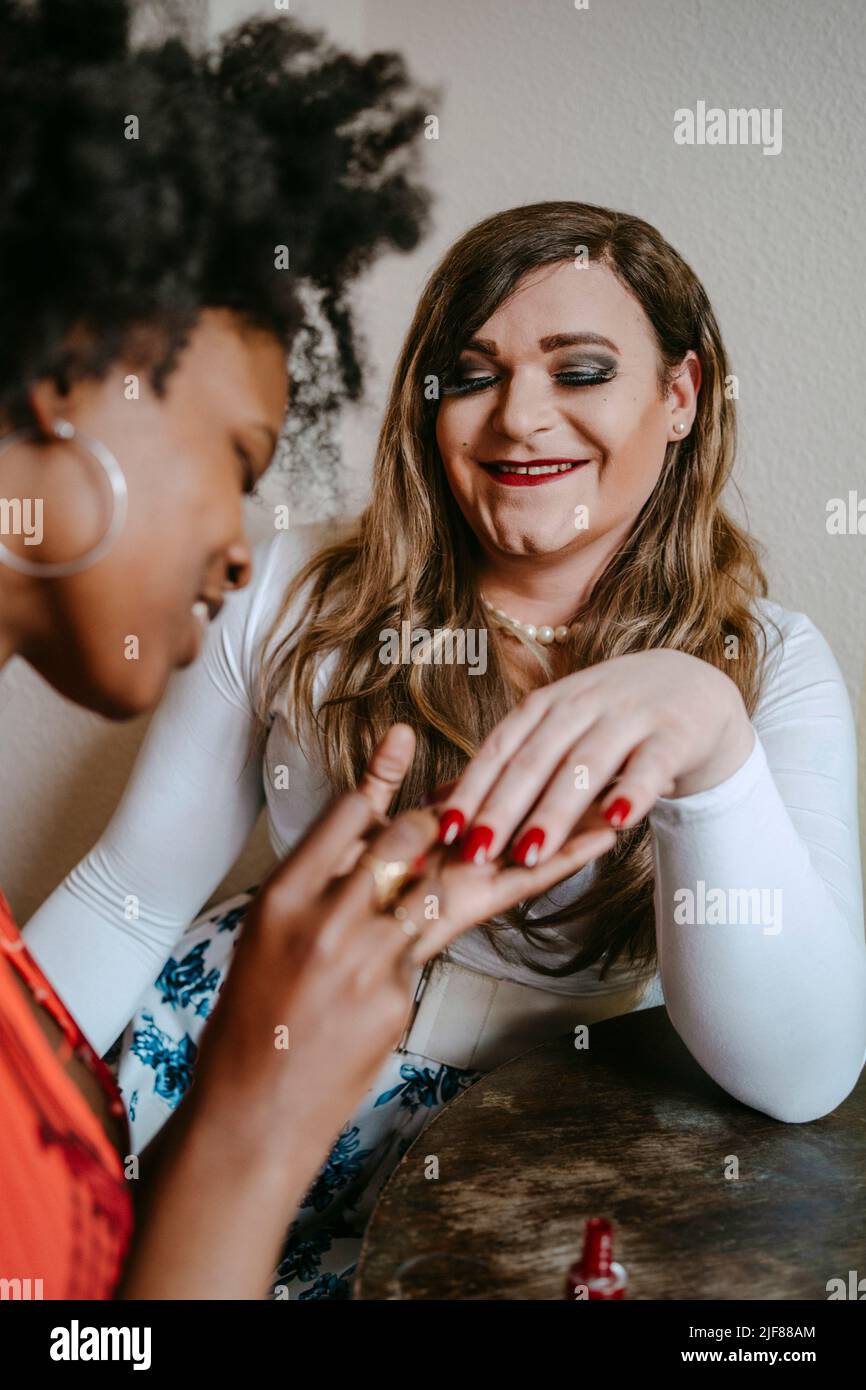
(475, 1022)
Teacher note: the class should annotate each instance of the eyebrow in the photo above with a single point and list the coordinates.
(557, 340)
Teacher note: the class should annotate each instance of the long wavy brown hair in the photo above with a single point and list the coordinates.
(686, 577)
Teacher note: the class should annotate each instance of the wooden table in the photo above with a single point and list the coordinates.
(632, 1129)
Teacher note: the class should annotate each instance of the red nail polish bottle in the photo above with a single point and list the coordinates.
(596, 1274)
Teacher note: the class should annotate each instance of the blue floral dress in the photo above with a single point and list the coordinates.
(155, 1059)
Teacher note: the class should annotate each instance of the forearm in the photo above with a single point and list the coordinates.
(106, 932)
(773, 1006)
(99, 964)
(216, 1198)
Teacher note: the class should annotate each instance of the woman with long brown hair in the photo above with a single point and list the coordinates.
(548, 588)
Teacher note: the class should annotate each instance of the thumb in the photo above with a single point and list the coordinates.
(387, 767)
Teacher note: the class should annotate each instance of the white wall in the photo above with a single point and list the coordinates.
(541, 100)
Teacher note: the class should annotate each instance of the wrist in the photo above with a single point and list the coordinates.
(247, 1138)
(732, 748)
(214, 1210)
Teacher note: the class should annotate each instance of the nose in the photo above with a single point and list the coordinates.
(238, 565)
(523, 407)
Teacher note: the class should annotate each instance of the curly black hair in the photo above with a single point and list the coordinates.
(140, 186)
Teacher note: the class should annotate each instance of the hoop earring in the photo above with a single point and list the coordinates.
(62, 429)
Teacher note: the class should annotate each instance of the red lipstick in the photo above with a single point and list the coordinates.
(506, 471)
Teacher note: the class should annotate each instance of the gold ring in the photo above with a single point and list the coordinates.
(389, 875)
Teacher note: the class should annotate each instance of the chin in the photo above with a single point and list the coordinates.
(537, 541)
(117, 700)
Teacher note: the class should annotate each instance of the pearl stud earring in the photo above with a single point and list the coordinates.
(680, 427)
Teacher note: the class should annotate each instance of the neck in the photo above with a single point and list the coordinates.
(546, 589)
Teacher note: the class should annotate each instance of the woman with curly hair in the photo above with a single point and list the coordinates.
(148, 198)
(549, 478)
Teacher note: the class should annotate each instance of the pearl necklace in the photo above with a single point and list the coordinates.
(545, 635)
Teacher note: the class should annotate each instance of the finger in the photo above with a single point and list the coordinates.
(580, 778)
(310, 866)
(422, 903)
(646, 775)
(388, 765)
(516, 883)
(512, 884)
(390, 761)
(523, 781)
(496, 750)
(350, 857)
(405, 839)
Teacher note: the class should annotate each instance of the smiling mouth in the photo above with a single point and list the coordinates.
(530, 473)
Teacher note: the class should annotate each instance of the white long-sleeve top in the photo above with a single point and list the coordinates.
(758, 894)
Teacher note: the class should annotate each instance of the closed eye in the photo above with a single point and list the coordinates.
(464, 386)
(468, 385)
(249, 474)
(593, 377)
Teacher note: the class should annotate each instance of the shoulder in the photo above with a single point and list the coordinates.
(252, 613)
(277, 559)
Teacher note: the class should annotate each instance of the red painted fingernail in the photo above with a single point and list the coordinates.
(618, 811)
(451, 825)
(528, 847)
(478, 842)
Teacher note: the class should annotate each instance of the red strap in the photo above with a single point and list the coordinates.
(12, 944)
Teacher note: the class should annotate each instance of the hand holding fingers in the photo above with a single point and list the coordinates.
(343, 1009)
(444, 900)
(299, 967)
(452, 896)
(372, 933)
(307, 871)
(357, 897)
